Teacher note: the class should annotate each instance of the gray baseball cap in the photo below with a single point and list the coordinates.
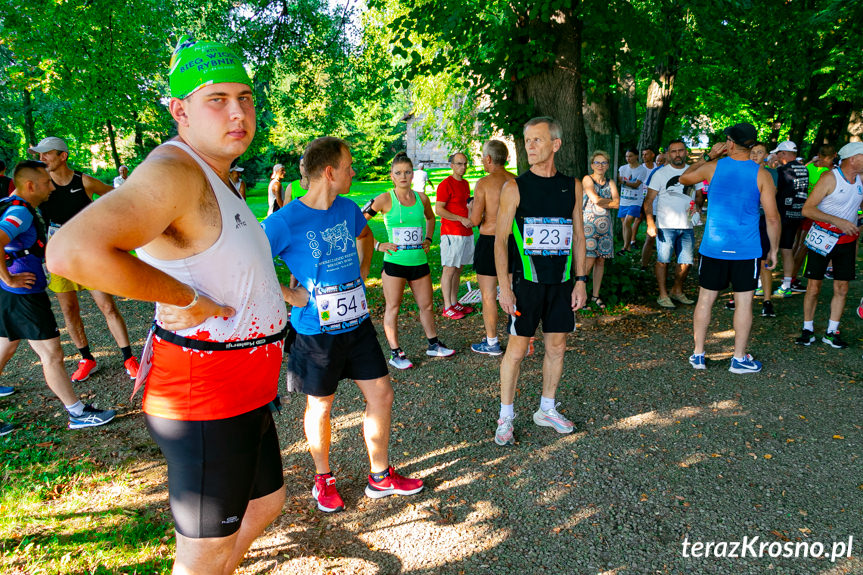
(851, 149)
(50, 143)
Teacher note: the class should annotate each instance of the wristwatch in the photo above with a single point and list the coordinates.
(581, 279)
(707, 157)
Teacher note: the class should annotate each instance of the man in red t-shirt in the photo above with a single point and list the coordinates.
(456, 234)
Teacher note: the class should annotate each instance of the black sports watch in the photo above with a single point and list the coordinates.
(581, 279)
(707, 157)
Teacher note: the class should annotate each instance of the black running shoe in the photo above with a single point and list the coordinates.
(806, 338)
(834, 340)
(767, 309)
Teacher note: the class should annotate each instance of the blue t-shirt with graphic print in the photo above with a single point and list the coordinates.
(17, 223)
(320, 249)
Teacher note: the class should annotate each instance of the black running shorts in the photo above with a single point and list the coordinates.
(549, 303)
(409, 273)
(26, 316)
(483, 255)
(715, 274)
(790, 228)
(216, 467)
(318, 362)
(842, 256)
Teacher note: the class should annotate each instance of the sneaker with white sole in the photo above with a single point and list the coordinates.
(132, 367)
(681, 297)
(767, 309)
(486, 348)
(393, 484)
(697, 361)
(400, 361)
(834, 340)
(504, 434)
(783, 292)
(748, 365)
(806, 338)
(325, 494)
(6, 428)
(86, 367)
(552, 418)
(6, 390)
(91, 417)
(439, 350)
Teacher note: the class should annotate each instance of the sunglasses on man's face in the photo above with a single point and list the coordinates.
(600, 163)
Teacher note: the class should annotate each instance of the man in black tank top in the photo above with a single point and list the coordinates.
(542, 209)
(74, 191)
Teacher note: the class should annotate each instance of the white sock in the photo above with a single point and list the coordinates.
(832, 326)
(76, 409)
(491, 340)
(786, 282)
(545, 403)
(810, 325)
(506, 411)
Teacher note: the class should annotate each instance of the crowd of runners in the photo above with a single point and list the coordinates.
(211, 363)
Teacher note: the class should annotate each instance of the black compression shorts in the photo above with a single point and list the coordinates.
(216, 467)
(26, 316)
(409, 273)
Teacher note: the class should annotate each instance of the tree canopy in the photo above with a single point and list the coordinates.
(94, 72)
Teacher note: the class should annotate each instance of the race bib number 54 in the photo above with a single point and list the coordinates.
(547, 236)
(341, 306)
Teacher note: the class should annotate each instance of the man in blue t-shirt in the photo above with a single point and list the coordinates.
(731, 246)
(25, 310)
(325, 241)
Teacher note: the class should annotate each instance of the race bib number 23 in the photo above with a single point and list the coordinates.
(547, 236)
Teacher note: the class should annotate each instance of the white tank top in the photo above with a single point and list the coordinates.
(237, 270)
(845, 199)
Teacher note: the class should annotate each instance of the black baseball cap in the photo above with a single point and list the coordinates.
(742, 134)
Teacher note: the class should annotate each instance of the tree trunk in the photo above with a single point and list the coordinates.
(29, 124)
(854, 131)
(833, 125)
(658, 100)
(627, 122)
(112, 139)
(599, 124)
(556, 92)
(139, 136)
(773, 138)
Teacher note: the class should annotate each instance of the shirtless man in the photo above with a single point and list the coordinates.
(217, 348)
(275, 193)
(74, 191)
(484, 215)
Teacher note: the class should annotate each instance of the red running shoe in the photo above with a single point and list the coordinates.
(465, 309)
(326, 496)
(860, 309)
(393, 484)
(85, 368)
(131, 366)
(452, 313)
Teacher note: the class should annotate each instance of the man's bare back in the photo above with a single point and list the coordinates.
(487, 198)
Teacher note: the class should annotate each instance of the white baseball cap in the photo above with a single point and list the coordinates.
(50, 143)
(786, 146)
(851, 149)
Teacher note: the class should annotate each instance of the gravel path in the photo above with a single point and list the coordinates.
(661, 455)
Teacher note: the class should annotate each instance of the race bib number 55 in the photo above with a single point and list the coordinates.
(547, 236)
(341, 306)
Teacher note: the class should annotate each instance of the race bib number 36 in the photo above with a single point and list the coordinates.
(547, 236)
(408, 238)
(341, 306)
(821, 241)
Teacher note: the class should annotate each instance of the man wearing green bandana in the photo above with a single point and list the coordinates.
(211, 363)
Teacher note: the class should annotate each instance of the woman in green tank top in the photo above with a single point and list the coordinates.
(410, 224)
